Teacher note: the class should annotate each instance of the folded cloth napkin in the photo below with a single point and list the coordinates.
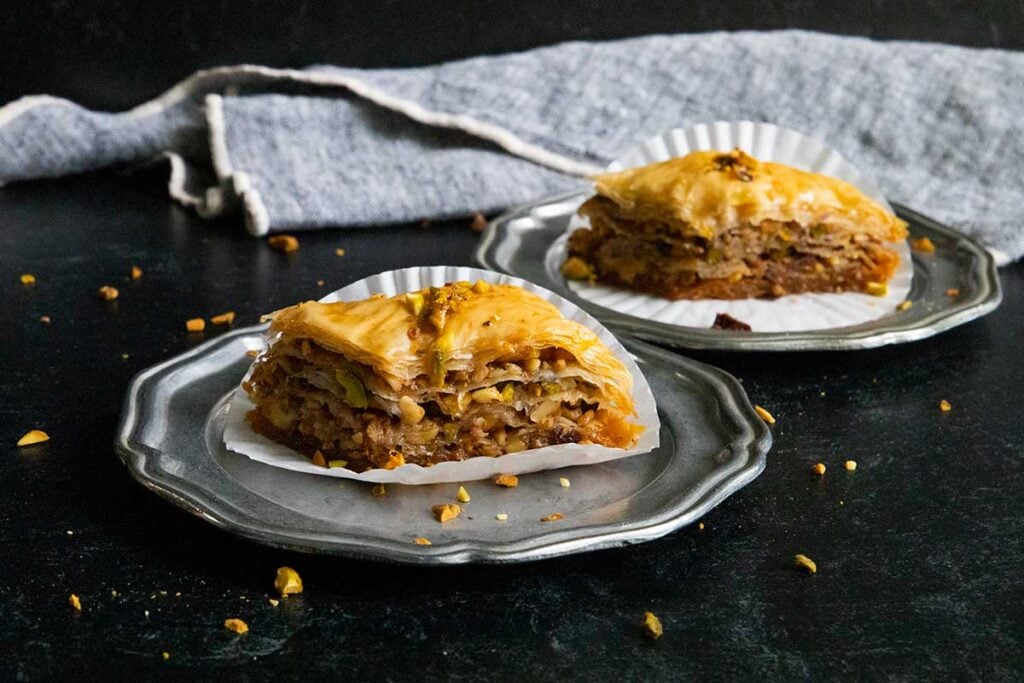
(940, 127)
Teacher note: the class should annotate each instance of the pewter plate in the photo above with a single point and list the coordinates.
(519, 243)
(712, 444)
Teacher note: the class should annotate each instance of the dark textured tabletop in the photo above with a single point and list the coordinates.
(920, 551)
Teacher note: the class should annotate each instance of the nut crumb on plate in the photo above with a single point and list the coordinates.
(446, 511)
(318, 459)
(904, 305)
(507, 480)
(378, 491)
(283, 243)
(195, 325)
(33, 437)
(462, 495)
(564, 482)
(236, 625)
(501, 516)
(806, 563)
(877, 288)
(553, 517)
(479, 222)
(652, 625)
(952, 291)
(252, 353)
(420, 540)
(724, 321)
(764, 415)
(108, 293)
(923, 244)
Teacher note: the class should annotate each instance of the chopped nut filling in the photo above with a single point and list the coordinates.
(446, 511)
(236, 625)
(507, 480)
(287, 582)
(807, 563)
(652, 626)
(33, 437)
(284, 243)
(764, 415)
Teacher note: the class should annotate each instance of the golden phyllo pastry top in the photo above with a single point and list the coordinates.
(422, 336)
(704, 193)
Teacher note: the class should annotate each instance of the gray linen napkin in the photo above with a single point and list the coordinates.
(940, 127)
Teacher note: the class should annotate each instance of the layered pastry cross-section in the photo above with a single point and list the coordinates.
(437, 375)
(715, 225)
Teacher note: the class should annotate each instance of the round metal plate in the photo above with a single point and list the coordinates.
(519, 243)
(712, 444)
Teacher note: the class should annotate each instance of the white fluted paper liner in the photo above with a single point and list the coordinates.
(239, 437)
(793, 313)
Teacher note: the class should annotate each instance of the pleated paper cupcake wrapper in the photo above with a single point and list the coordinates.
(792, 313)
(239, 437)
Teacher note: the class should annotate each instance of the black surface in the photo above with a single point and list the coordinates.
(920, 551)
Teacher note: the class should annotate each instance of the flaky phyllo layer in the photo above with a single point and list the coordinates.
(437, 375)
(725, 225)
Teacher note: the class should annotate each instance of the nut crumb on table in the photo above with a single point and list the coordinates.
(652, 626)
(507, 480)
(236, 625)
(283, 243)
(108, 293)
(945, 406)
(195, 324)
(45, 319)
(850, 465)
(479, 222)
(136, 272)
(165, 655)
(764, 415)
(33, 437)
(446, 511)
(287, 582)
(339, 252)
(224, 318)
(28, 279)
(274, 602)
(818, 468)
(75, 602)
(804, 562)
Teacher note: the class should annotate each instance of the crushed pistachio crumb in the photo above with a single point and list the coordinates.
(287, 582)
(195, 325)
(421, 540)
(818, 468)
(446, 511)
(877, 288)
(923, 244)
(553, 517)
(284, 243)
(136, 272)
(108, 293)
(764, 415)
(564, 482)
(945, 406)
(652, 626)
(807, 563)
(378, 491)
(462, 495)
(904, 305)
(75, 602)
(236, 625)
(850, 465)
(501, 516)
(33, 437)
(28, 279)
(337, 463)
(507, 480)
(224, 318)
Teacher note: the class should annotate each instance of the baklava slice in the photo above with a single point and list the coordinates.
(714, 225)
(437, 375)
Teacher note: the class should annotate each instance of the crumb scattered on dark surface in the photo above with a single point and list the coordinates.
(724, 321)
(479, 223)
